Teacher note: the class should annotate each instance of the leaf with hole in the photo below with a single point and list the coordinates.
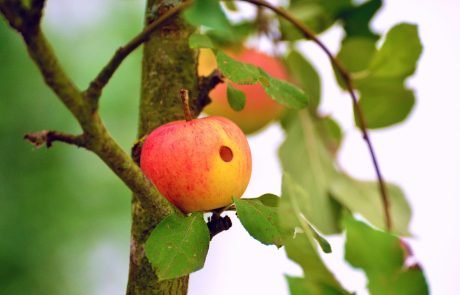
(178, 245)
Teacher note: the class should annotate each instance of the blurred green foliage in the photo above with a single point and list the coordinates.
(63, 213)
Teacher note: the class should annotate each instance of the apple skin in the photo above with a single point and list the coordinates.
(191, 165)
(260, 109)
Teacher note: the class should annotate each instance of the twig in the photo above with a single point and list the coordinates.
(217, 224)
(345, 75)
(206, 85)
(94, 90)
(45, 137)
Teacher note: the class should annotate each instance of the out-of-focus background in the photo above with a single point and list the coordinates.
(65, 218)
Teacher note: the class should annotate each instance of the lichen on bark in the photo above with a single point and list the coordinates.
(168, 65)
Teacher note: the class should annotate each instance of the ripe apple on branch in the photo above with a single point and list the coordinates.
(198, 164)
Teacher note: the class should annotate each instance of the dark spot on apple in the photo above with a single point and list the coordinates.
(226, 153)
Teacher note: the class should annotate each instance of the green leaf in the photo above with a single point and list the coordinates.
(236, 98)
(197, 40)
(363, 197)
(239, 34)
(332, 6)
(298, 286)
(399, 53)
(301, 247)
(292, 211)
(304, 286)
(318, 15)
(356, 20)
(302, 250)
(207, 13)
(269, 200)
(382, 257)
(372, 250)
(409, 282)
(230, 5)
(385, 104)
(238, 72)
(311, 15)
(306, 76)
(356, 53)
(323, 243)
(178, 245)
(283, 92)
(330, 132)
(260, 218)
(379, 74)
(279, 90)
(311, 167)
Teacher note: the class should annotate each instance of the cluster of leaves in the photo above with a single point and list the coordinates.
(317, 197)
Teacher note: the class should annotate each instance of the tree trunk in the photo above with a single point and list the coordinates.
(168, 65)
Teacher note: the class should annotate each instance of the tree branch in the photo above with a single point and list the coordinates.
(94, 90)
(47, 138)
(346, 77)
(95, 136)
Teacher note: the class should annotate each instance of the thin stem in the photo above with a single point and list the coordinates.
(186, 104)
(94, 90)
(345, 75)
(47, 138)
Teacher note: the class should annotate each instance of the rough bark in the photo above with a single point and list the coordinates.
(168, 65)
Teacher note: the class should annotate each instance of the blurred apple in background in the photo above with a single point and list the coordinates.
(260, 109)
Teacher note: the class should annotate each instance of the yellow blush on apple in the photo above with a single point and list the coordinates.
(199, 164)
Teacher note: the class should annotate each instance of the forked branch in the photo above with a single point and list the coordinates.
(95, 137)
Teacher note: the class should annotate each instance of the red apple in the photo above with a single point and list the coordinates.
(260, 109)
(199, 164)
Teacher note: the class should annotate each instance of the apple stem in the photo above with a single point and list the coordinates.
(185, 104)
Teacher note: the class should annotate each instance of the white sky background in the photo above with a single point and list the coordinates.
(422, 155)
